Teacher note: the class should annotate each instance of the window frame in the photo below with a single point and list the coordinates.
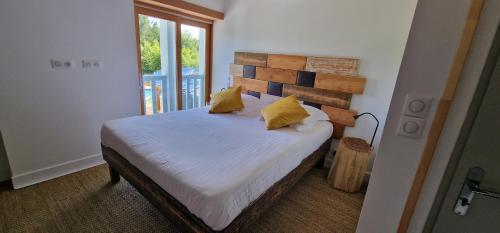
(179, 18)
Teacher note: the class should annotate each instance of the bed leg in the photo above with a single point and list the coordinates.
(115, 176)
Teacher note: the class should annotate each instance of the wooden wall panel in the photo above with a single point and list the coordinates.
(288, 62)
(238, 81)
(251, 59)
(327, 83)
(320, 96)
(277, 75)
(340, 116)
(349, 84)
(248, 84)
(339, 65)
(236, 70)
(338, 131)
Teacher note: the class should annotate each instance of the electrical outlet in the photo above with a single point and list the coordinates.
(417, 106)
(62, 64)
(411, 127)
(91, 64)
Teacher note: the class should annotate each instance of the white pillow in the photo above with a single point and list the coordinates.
(251, 104)
(315, 115)
(267, 99)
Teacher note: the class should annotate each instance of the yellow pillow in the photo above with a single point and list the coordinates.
(283, 112)
(226, 101)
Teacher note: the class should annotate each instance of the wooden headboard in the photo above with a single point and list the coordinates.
(327, 83)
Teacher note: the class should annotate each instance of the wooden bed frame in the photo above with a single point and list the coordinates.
(325, 83)
(181, 216)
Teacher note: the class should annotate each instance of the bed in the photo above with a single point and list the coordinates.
(219, 172)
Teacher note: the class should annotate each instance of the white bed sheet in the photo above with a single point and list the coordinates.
(214, 164)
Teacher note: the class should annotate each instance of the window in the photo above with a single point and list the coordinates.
(174, 54)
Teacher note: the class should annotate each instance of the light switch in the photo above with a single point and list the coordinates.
(61, 64)
(411, 127)
(417, 106)
(89, 64)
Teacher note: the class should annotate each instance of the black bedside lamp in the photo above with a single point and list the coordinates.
(376, 128)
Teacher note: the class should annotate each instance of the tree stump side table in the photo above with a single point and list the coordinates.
(349, 165)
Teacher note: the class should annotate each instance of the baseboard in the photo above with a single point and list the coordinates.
(48, 173)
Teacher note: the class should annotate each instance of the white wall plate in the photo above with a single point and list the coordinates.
(62, 64)
(411, 127)
(417, 106)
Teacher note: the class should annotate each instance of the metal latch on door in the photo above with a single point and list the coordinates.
(471, 188)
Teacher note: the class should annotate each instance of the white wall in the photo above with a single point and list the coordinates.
(50, 117)
(374, 31)
(432, 44)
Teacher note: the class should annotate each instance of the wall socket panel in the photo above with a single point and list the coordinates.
(411, 127)
(417, 106)
(62, 64)
(91, 64)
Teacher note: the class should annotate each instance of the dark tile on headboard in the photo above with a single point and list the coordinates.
(254, 93)
(248, 71)
(275, 88)
(318, 106)
(306, 78)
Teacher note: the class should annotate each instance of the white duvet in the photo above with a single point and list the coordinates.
(214, 164)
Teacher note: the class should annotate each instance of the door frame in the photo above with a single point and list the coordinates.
(483, 84)
(179, 18)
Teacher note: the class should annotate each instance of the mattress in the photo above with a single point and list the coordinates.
(214, 164)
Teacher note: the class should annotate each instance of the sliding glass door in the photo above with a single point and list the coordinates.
(193, 50)
(174, 61)
(157, 42)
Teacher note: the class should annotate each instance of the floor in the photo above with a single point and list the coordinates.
(87, 202)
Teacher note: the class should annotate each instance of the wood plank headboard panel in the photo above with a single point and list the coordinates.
(327, 83)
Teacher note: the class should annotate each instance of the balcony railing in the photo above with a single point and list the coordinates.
(193, 91)
(159, 94)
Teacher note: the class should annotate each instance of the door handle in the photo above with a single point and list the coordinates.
(486, 193)
(470, 188)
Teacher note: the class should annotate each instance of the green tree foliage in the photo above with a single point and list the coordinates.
(190, 52)
(150, 46)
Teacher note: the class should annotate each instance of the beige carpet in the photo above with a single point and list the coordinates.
(87, 202)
